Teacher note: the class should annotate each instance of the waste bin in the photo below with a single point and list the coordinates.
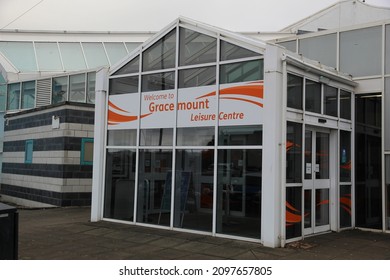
(9, 220)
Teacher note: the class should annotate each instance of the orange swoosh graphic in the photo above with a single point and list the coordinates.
(254, 89)
(245, 100)
(116, 107)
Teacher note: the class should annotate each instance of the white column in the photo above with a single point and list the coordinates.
(101, 89)
(273, 147)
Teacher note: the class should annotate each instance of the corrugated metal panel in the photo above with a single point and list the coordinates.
(43, 92)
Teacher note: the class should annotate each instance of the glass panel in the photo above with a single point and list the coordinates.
(230, 51)
(2, 79)
(154, 187)
(368, 159)
(95, 55)
(156, 137)
(21, 55)
(387, 114)
(28, 95)
(345, 104)
(131, 67)
(321, 48)
(294, 91)
(196, 48)
(240, 135)
(72, 56)
(308, 208)
(294, 153)
(313, 97)
(28, 153)
(13, 96)
(197, 77)
(239, 193)
(387, 182)
(115, 51)
(387, 50)
(345, 156)
(290, 45)
(242, 72)
(157, 82)
(330, 101)
(308, 154)
(345, 207)
(193, 189)
(322, 155)
(88, 151)
(91, 80)
(120, 184)
(131, 46)
(124, 85)
(161, 55)
(59, 90)
(293, 212)
(201, 136)
(48, 56)
(77, 88)
(124, 137)
(361, 51)
(3, 94)
(322, 207)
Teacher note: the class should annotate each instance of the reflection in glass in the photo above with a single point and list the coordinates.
(293, 212)
(294, 153)
(196, 48)
(91, 80)
(156, 137)
(242, 72)
(120, 184)
(130, 67)
(313, 97)
(59, 90)
(161, 55)
(239, 193)
(197, 77)
(3, 96)
(294, 91)
(240, 135)
(345, 206)
(193, 189)
(154, 187)
(13, 96)
(322, 207)
(308, 208)
(199, 136)
(28, 95)
(77, 88)
(157, 82)
(124, 85)
(122, 137)
(230, 51)
(330, 101)
(322, 155)
(345, 156)
(345, 104)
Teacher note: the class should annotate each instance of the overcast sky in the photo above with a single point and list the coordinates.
(152, 15)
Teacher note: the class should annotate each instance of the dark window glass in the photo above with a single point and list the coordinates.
(28, 152)
(28, 95)
(122, 137)
(293, 212)
(313, 97)
(120, 183)
(239, 192)
(91, 81)
(199, 136)
(59, 90)
(197, 77)
(345, 207)
(124, 85)
(159, 81)
(162, 54)
(231, 51)
(294, 153)
(242, 72)
(294, 91)
(345, 156)
(196, 48)
(13, 96)
(156, 137)
(240, 135)
(77, 88)
(131, 67)
(345, 104)
(194, 189)
(330, 101)
(368, 161)
(154, 187)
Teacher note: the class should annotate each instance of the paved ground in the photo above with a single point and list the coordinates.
(67, 234)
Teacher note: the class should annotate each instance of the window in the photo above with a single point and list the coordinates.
(157, 82)
(230, 51)
(72, 56)
(156, 137)
(13, 96)
(77, 88)
(321, 48)
(28, 151)
(240, 135)
(91, 80)
(294, 91)
(294, 153)
(345, 104)
(197, 77)
(131, 67)
(124, 85)
(290, 45)
(48, 56)
(122, 137)
(201, 136)
(3, 95)
(59, 90)
(21, 55)
(95, 55)
(86, 156)
(330, 101)
(242, 72)
(28, 95)
(116, 52)
(313, 97)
